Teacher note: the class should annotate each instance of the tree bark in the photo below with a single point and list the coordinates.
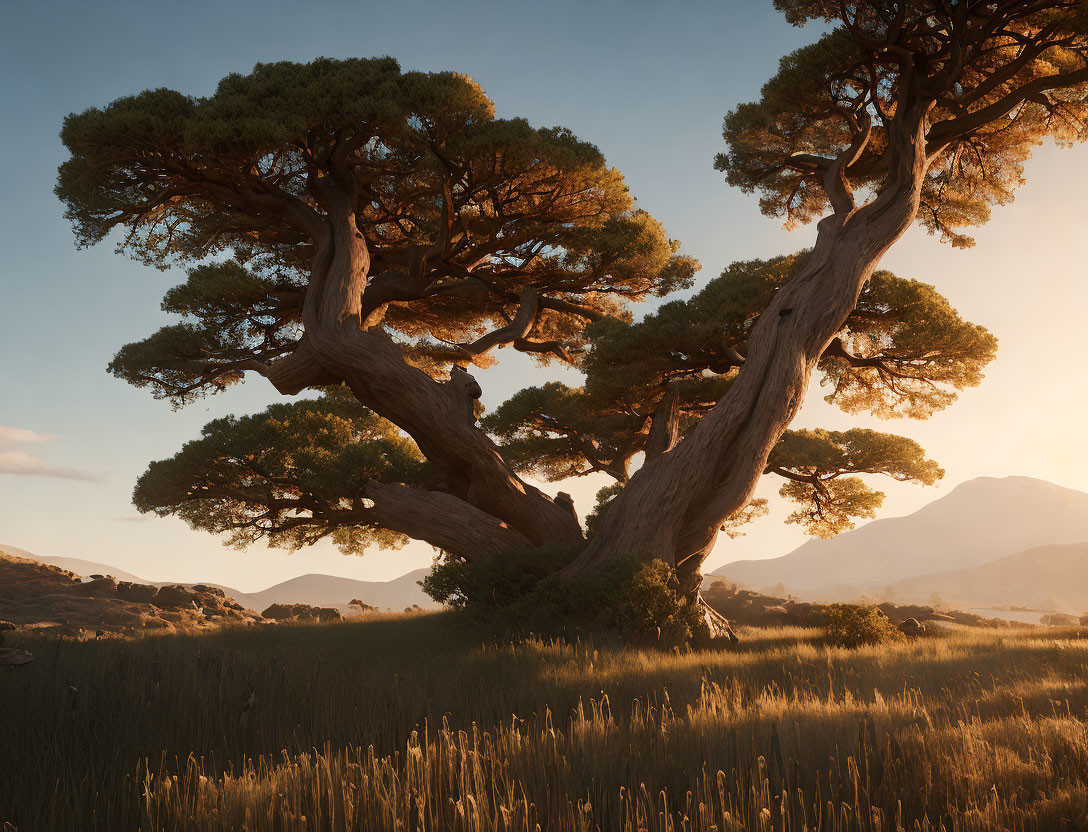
(446, 522)
(674, 506)
(438, 416)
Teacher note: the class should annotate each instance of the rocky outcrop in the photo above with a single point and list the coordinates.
(743, 607)
(301, 612)
(912, 627)
(1059, 619)
(45, 598)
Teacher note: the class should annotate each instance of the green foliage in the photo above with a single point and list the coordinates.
(855, 625)
(479, 589)
(904, 351)
(789, 118)
(421, 157)
(605, 496)
(555, 432)
(815, 463)
(828, 508)
(290, 475)
(228, 311)
(993, 85)
(908, 352)
(640, 602)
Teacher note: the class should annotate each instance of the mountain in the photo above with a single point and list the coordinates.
(978, 521)
(316, 590)
(86, 568)
(1046, 577)
(83, 568)
(333, 591)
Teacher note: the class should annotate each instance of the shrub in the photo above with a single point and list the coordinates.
(1059, 619)
(641, 602)
(301, 612)
(481, 590)
(853, 625)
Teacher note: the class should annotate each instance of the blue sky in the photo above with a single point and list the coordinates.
(648, 82)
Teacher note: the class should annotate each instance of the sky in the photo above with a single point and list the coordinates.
(647, 82)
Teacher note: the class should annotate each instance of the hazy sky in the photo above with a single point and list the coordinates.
(648, 82)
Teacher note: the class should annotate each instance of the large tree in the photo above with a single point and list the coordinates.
(910, 111)
(371, 234)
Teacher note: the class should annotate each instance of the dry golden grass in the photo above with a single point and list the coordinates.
(409, 723)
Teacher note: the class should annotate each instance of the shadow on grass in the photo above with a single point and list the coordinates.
(929, 726)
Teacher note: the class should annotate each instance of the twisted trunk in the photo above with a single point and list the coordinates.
(439, 416)
(674, 506)
(444, 521)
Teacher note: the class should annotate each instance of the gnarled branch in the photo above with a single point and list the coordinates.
(442, 520)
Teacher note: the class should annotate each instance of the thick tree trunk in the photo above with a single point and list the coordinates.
(437, 415)
(674, 506)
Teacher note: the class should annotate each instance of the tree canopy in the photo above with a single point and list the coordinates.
(904, 352)
(479, 231)
(290, 475)
(373, 234)
(995, 78)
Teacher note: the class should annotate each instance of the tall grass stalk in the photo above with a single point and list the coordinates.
(412, 724)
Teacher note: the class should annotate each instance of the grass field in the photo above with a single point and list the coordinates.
(411, 723)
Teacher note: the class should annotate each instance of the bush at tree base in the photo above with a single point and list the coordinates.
(640, 602)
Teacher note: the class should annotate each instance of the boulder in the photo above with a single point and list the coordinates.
(143, 593)
(175, 596)
(912, 627)
(98, 588)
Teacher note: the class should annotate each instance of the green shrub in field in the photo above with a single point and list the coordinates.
(853, 625)
(481, 590)
(640, 602)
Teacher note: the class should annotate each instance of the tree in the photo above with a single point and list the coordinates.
(370, 234)
(380, 225)
(905, 111)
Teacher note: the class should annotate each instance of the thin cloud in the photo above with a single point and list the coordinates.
(10, 435)
(24, 465)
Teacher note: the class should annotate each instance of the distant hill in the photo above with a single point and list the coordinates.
(334, 591)
(86, 568)
(977, 522)
(1046, 577)
(316, 590)
(83, 568)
